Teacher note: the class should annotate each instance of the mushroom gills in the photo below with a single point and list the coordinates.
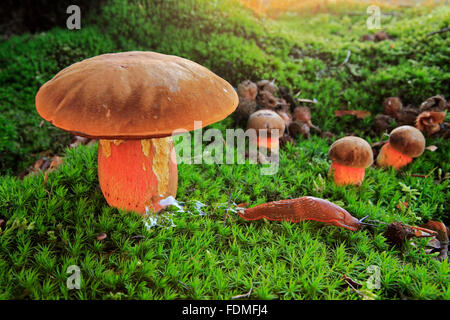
(136, 175)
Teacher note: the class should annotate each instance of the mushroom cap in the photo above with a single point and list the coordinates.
(134, 95)
(408, 140)
(351, 151)
(266, 119)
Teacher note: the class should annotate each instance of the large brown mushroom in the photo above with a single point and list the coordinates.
(405, 143)
(133, 102)
(350, 157)
(266, 120)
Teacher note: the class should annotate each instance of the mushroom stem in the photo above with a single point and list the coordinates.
(344, 175)
(268, 143)
(389, 157)
(137, 174)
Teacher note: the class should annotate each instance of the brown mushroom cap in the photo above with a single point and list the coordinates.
(352, 152)
(408, 140)
(266, 119)
(134, 95)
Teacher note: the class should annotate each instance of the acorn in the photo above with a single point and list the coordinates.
(267, 100)
(299, 128)
(303, 114)
(247, 90)
(392, 106)
(435, 103)
(382, 123)
(407, 116)
(286, 116)
(245, 108)
(266, 85)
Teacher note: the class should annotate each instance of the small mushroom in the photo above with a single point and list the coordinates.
(350, 157)
(133, 102)
(267, 120)
(405, 143)
(247, 90)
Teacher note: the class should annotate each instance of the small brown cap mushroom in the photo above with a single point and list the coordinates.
(266, 119)
(408, 140)
(134, 95)
(351, 152)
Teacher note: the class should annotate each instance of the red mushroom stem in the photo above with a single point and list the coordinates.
(389, 157)
(137, 174)
(268, 143)
(344, 175)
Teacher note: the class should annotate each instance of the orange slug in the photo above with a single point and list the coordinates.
(304, 208)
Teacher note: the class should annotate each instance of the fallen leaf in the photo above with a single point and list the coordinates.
(56, 163)
(101, 236)
(429, 121)
(434, 243)
(351, 282)
(360, 114)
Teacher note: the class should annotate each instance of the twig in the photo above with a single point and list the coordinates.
(247, 295)
(439, 31)
(184, 284)
(419, 175)
(346, 58)
(306, 100)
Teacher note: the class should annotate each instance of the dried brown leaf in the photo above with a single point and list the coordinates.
(360, 114)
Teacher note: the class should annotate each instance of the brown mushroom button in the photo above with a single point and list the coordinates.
(134, 95)
(266, 119)
(352, 152)
(408, 140)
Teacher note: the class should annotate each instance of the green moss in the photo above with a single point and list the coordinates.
(54, 225)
